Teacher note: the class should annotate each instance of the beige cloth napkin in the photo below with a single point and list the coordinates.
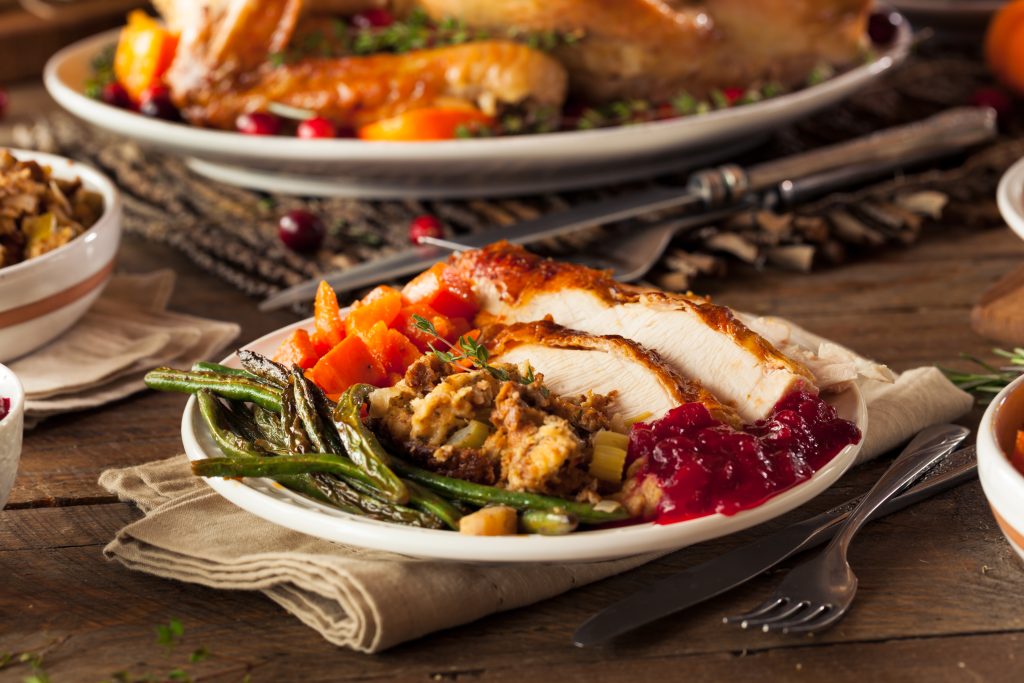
(369, 600)
(127, 331)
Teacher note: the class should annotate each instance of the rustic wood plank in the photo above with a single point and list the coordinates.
(909, 565)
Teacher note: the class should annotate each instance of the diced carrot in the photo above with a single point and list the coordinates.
(328, 328)
(1017, 459)
(443, 291)
(380, 305)
(406, 324)
(297, 349)
(401, 352)
(425, 124)
(348, 363)
(145, 51)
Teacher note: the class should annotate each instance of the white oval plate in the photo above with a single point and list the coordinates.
(271, 501)
(1010, 197)
(478, 167)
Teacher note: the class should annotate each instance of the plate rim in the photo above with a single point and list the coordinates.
(1010, 197)
(525, 148)
(293, 511)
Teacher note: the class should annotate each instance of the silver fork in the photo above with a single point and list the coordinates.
(817, 593)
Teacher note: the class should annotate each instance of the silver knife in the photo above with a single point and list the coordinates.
(710, 190)
(714, 577)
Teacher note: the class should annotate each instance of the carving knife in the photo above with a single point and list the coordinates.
(708, 196)
(714, 577)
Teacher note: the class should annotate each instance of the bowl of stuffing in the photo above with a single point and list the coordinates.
(12, 414)
(60, 227)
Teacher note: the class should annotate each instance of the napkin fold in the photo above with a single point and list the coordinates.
(127, 331)
(370, 600)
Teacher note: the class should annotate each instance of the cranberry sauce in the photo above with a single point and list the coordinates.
(704, 466)
(5, 406)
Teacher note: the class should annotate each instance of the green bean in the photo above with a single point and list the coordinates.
(230, 443)
(264, 368)
(269, 425)
(307, 486)
(296, 439)
(426, 500)
(273, 467)
(480, 494)
(240, 421)
(338, 489)
(362, 446)
(237, 388)
(547, 523)
(324, 439)
(204, 366)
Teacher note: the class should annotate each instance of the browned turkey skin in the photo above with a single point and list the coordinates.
(654, 49)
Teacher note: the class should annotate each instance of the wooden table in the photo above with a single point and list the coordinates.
(941, 598)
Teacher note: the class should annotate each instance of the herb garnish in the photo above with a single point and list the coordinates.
(985, 385)
(102, 72)
(469, 349)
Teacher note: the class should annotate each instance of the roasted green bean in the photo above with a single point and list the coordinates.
(204, 366)
(323, 435)
(480, 494)
(233, 445)
(362, 446)
(237, 388)
(337, 489)
(307, 486)
(264, 368)
(274, 467)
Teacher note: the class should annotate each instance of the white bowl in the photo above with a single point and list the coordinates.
(486, 167)
(1002, 482)
(42, 297)
(1010, 197)
(11, 428)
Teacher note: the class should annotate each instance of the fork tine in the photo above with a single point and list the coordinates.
(793, 625)
(777, 617)
(818, 623)
(765, 607)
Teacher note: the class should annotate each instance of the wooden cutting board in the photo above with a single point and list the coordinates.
(999, 314)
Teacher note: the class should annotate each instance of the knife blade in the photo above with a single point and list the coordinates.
(714, 577)
(708, 190)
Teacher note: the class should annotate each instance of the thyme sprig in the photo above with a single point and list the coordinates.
(469, 349)
(985, 385)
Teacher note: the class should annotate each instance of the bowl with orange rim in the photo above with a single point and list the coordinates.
(1001, 461)
(41, 297)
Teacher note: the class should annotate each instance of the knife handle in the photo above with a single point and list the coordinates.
(955, 469)
(823, 170)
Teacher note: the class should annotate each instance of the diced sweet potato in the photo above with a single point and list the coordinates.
(348, 363)
(297, 349)
(490, 521)
(328, 329)
(380, 305)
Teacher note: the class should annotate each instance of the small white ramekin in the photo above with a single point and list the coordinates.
(42, 297)
(1002, 482)
(11, 428)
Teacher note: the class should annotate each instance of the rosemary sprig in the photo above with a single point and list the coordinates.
(468, 349)
(985, 385)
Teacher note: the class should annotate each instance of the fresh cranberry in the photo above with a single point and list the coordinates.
(373, 18)
(883, 27)
(115, 95)
(996, 99)
(301, 230)
(5, 403)
(733, 95)
(258, 123)
(156, 103)
(3, 102)
(316, 127)
(425, 226)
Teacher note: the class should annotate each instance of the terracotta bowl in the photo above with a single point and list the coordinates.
(42, 297)
(1002, 482)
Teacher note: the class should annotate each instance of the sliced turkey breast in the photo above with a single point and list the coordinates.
(575, 363)
(698, 339)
